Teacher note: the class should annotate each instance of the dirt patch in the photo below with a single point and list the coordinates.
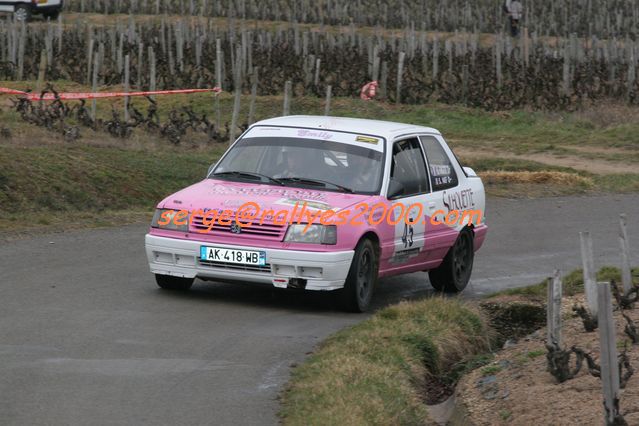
(517, 389)
(514, 317)
(436, 390)
(590, 165)
(555, 178)
(600, 150)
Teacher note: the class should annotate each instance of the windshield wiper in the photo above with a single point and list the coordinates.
(251, 175)
(308, 181)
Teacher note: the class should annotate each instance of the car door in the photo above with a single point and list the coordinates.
(446, 196)
(408, 169)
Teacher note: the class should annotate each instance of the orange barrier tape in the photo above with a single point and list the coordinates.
(11, 91)
(85, 95)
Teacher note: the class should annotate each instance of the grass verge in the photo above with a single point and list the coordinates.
(60, 186)
(375, 372)
(572, 283)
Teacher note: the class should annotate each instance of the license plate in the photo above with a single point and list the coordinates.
(241, 257)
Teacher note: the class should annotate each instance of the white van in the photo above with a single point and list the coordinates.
(23, 9)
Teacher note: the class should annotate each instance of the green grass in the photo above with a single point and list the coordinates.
(55, 184)
(505, 414)
(536, 354)
(373, 373)
(491, 370)
(572, 283)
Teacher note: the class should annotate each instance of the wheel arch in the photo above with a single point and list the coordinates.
(370, 235)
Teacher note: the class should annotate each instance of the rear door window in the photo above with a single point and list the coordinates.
(408, 167)
(440, 167)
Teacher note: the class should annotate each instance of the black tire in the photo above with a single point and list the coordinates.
(22, 12)
(361, 280)
(453, 275)
(168, 282)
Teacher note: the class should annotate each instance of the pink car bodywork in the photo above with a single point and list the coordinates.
(320, 266)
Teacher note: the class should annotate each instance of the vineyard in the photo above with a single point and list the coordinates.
(605, 18)
(472, 63)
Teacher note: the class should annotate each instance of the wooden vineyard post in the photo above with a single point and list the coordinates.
(94, 86)
(498, 50)
(127, 63)
(152, 71)
(626, 275)
(526, 47)
(288, 86)
(316, 79)
(21, 42)
(329, 94)
(383, 84)
(609, 363)
(89, 58)
(218, 82)
(255, 78)
(400, 73)
(42, 69)
(590, 283)
(553, 311)
(139, 65)
(435, 58)
(236, 102)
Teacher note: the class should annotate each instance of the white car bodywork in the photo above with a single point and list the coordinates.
(47, 7)
(404, 249)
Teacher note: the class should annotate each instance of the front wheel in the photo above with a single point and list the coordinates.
(22, 13)
(361, 280)
(168, 282)
(453, 274)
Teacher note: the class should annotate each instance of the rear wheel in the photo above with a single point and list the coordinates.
(168, 282)
(361, 280)
(22, 13)
(453, 275)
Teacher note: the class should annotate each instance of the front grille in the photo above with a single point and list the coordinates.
(235, 267)
(262, 231)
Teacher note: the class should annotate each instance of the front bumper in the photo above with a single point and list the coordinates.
(180, 258)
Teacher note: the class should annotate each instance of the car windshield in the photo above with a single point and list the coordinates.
(303, 162)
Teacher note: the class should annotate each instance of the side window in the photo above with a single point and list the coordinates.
(442, 172)
(408, 167)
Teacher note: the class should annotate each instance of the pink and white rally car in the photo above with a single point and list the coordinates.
(324, 203)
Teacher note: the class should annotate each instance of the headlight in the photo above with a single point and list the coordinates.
(166, 218)
(315, 234)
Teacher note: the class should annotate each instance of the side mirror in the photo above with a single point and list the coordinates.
(395, 189)
(211, 167)
(469, 172)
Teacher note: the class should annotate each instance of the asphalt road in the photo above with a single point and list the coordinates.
(87, 338)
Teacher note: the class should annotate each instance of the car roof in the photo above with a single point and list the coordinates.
(386, 129)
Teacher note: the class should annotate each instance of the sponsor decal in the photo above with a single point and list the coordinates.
(260, 191)
(317, 134)
(404, 256)
(458, 200)
(367, 139)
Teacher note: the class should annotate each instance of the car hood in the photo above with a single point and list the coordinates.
(213, 194)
